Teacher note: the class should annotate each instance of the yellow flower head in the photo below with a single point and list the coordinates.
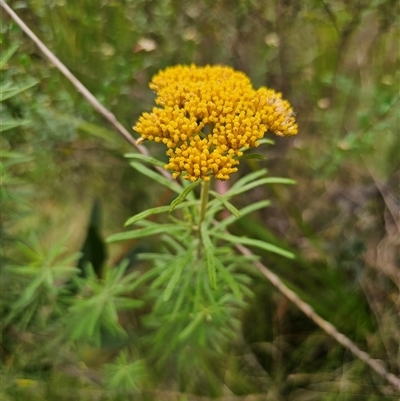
(207, 117)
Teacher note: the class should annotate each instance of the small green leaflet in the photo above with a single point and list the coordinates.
(144, 158)
(173, 186)
(10, 123)
(155, 210)
(248, 178)
(9, 89)
(228, 278)
(248, 156)
(188, 330)
(246, 210)
(145, 214)
(183, 195)
(7, 55)
(226, 203)
(266, 141)
(183, 262)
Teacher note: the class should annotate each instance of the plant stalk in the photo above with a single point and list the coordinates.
(205, 187)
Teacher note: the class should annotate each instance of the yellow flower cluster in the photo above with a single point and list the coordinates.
(207, 117)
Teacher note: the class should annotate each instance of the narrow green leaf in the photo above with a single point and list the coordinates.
(184, 284)
(248, 156)
(212, 274)
(179, 266)
(264, 141)
(169, 270)
(13, 158)
(173, 243)
(228, 278)
(144, 232)
(268, 180)
(11, 123)
(146, 213)
(7, 154)
(143, 278)
(209, 293)
(173, 186)
(183, 195)
(256, 243)
(146, 223)
(7, 55)
(123, 303)
(188, 330)
(213, 207)
(172, 283)
(33, 252)
(248, 178)
(226, 203)
(198, 297)
(208, 249)
(116, 274)
(6, 93)
(246, 210)
(144, 158)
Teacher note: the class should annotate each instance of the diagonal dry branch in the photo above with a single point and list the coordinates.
(331, 330)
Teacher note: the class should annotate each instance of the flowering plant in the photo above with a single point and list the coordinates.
(207, 117)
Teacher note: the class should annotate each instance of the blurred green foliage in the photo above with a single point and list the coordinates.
(337, 62)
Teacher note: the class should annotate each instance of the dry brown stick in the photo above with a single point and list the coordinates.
(273, 278)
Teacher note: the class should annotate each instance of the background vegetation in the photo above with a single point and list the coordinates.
(66, 186)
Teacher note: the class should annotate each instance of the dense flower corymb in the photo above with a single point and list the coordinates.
(207, 117)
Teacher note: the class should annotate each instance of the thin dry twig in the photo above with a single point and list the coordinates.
(273, 278)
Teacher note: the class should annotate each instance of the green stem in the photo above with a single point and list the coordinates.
(205, 186)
